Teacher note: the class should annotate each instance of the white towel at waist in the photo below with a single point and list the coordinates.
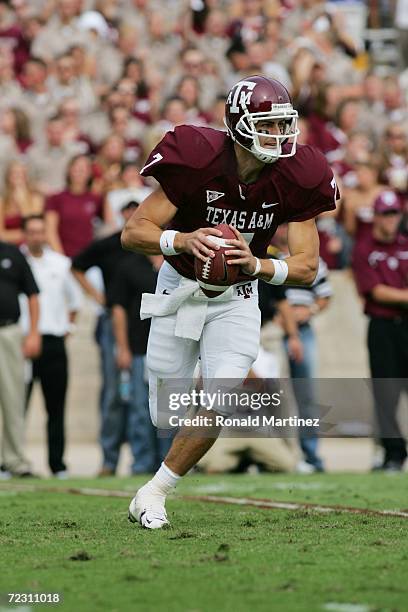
(188, 301)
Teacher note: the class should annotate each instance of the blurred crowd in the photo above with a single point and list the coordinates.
(88, 87)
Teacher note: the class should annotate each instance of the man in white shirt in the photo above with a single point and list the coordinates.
(59, 302)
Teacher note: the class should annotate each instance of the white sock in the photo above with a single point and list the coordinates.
(164, 480)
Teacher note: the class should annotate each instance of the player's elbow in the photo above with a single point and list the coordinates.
(131, 238)
(309, 272)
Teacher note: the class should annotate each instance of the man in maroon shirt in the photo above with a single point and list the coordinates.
(380, 264)
(253, 178)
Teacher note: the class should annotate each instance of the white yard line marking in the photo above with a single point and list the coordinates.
(333, 606)
(266, 504)
(275, 505)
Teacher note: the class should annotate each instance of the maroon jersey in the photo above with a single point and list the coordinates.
(76, 216)
(197, 170)
(380, 263)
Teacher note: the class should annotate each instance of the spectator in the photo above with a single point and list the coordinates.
(123, 125)
(372, 115)
(106, 254)
(10, 89)
(72, 214)
(36, 100)
(96, 126)
(396, 108)
(217, 113)
(18, 201)
(134, 276)
(70, 114)
(238, 63)
(347, 116)
(15, 123)
(131, 187)
(59, 303)
(260, 64)
(380, 266)
(56, 153)
(214, 42)
(401, 23)
(134, 71)
(111, 69)
(188, 89)
(359, 148)
(108, 163)
(174, 113)
(194, 63)
(61, 32)
(65, 84)
(306, 302)
(395, 157)
(323, 107)
(104, 60)
(7, 151)
(250, 22)
(358, 202)
(15, 34)
(163, 45)
(15, 278)
(274, 305)
(128, 93)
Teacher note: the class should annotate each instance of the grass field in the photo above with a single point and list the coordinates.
(215, 556)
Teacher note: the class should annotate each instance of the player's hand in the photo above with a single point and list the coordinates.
(197, 243)
(242, 253)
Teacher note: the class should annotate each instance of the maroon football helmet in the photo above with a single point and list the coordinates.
(259, 99)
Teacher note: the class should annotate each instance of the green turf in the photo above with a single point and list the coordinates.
(215, 557)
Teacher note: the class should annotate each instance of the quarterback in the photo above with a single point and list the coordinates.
(252, 177)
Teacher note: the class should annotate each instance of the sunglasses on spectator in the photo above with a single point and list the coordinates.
(396, 136)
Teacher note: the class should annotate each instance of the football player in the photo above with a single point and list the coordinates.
(252, 177)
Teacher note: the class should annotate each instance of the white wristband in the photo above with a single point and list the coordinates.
(257, 267)
(281, 272)
(167, 242)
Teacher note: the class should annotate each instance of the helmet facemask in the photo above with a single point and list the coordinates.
(285, 116)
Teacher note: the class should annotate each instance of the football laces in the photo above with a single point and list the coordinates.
(206, 269)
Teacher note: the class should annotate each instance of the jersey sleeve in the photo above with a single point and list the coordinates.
(176, 161)
(318, 186)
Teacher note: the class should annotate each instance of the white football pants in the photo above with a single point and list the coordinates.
(228, 345)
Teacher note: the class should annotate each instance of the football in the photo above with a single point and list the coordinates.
(214, 275)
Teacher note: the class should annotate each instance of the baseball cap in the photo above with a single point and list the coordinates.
(93, 20)
(387, 201)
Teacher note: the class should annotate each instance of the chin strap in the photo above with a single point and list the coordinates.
(268, 159)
